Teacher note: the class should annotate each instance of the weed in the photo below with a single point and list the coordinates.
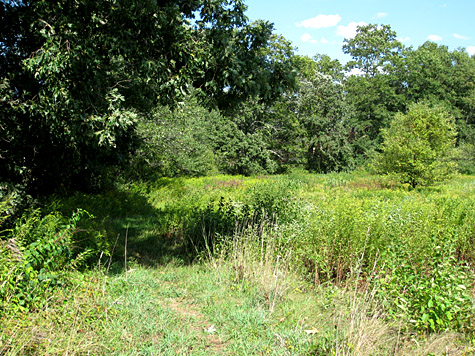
(343, 264)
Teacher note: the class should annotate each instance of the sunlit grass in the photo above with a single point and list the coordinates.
(303, 274)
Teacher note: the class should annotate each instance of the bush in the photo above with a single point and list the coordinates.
(272, 201)
(33, 258)
(432, 293)
(175, 143)
(417, 147)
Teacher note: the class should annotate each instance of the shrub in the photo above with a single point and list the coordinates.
(432, 293)
(418, 145)
(175, 143)
(33, 257)
(276, 198)
(271, 201)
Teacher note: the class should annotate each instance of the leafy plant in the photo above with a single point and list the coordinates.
(274, 202)
(276, 199)
(324, 115)
(35, 255)
(176, 142)
(418, 145)
(433, 294)
(466, 158)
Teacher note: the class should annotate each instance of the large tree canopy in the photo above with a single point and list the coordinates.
(374, 49)
(376, 91)
(76, 75)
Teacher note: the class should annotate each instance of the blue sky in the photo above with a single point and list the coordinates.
(319, 26)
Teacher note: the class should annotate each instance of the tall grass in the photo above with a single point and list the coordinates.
(370, 264)
(417, 245)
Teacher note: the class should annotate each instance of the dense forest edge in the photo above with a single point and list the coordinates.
(178, 145)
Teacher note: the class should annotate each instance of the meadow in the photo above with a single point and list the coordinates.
(296, 264)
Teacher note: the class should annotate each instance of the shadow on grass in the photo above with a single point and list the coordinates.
(126, 224)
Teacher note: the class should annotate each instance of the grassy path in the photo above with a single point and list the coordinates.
(198, 311)
(172, 310)
(204, 310)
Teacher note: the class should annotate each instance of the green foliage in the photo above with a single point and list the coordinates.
(409, 245)
(393, 77)
(247, 154)
(272, 202)
(437, 74)
(328, 66)
(285, 135)
(13, 201)
(320, 63)
(344, 227)
(375, 90)
(76, 77)
(433, 294)
(324, 116)
(276, 199)
(176, 142)
(308, 127)
(373, 49)
(418, 145)
(375, 101)
(466, 158)
(244, 61)
(242, 144)
(35, 255)
(412, 248)
(194, 141)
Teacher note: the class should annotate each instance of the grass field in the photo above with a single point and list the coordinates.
(301, 264)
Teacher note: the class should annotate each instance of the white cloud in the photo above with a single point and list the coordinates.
(380, 15)
(404, 39)
(324, 40)
(471, 50)
(306, 37)
(460, 37)
(349, 31)
(434, 38)
(320, 21)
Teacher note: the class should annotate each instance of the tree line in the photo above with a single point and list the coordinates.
(397, 109)
(89, 90)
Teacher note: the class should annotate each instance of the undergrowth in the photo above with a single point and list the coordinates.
(35, 255)
(344, 264)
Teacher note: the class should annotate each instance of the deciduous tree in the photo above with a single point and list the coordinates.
(418, 145)
(76, 75)
(376, 91)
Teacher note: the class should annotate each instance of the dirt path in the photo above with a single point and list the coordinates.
(193, 319)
